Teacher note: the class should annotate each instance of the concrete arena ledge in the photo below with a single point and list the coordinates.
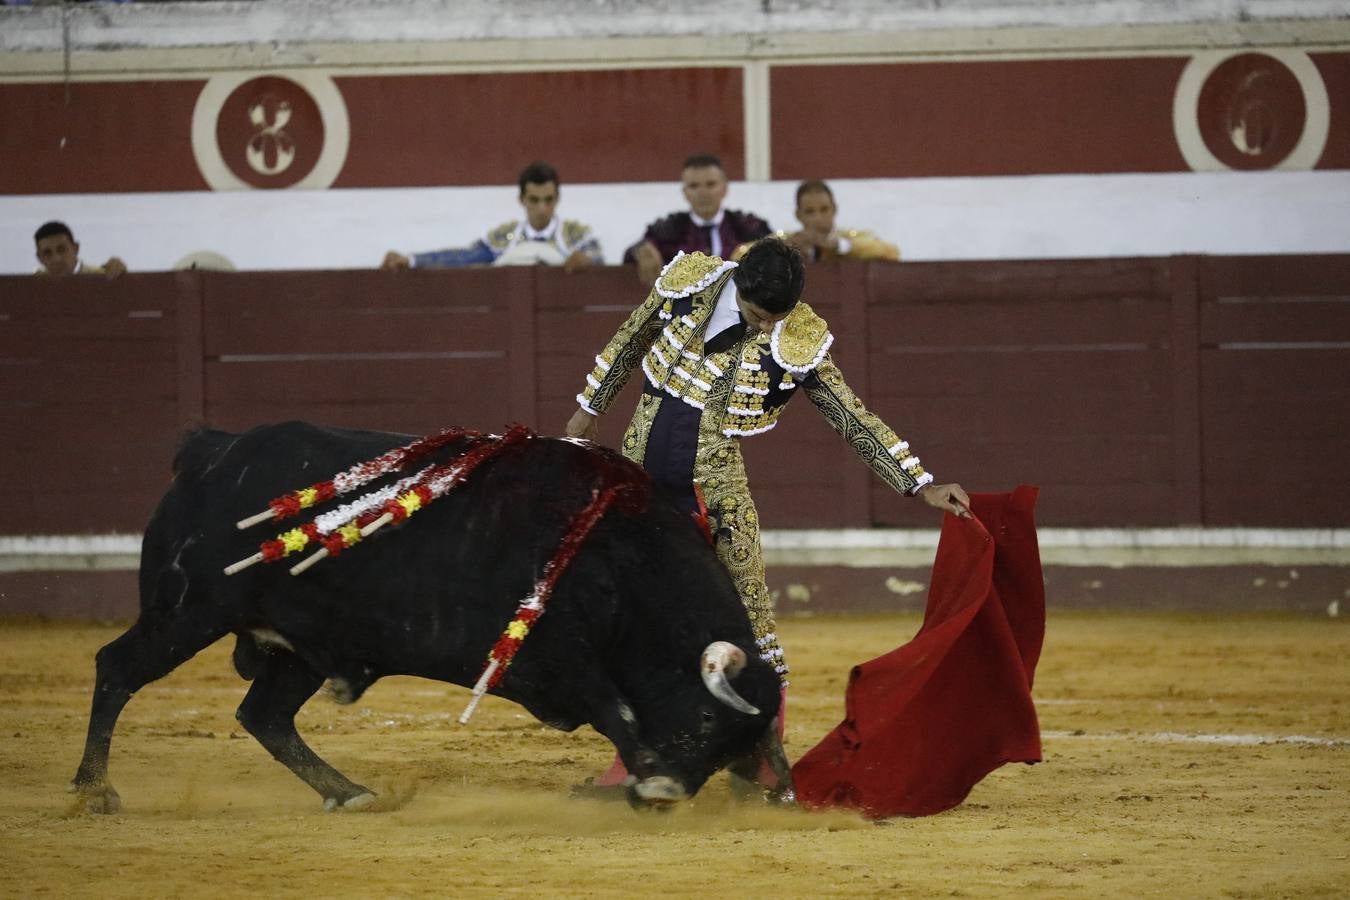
(1202, 570)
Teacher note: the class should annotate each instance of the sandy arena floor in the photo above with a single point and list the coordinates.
(1154, 783)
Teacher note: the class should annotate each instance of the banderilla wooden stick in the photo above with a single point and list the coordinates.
(479, 690)
(254, 519)
(243, 564)
(308, 561)
(375, 526)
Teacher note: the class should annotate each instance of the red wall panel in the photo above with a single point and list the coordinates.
(974, 118)
(592, 125)
(1335, 71)
(98, 137)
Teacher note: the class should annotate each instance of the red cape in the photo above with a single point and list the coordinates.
(924, 723)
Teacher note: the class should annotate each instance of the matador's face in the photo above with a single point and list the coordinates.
(758, 317)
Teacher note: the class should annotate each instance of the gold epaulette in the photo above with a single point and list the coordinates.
(689, 273)
(800, 341)
(867, 245)
(499, 238)
(574, 232)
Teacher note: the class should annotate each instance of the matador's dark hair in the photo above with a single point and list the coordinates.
(771, 275)
(538, 172)
(48, 229)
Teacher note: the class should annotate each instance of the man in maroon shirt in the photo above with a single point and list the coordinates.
(706, 227)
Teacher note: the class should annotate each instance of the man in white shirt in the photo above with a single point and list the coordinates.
(541, 237)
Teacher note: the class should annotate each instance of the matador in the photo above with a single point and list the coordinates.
(723, 347)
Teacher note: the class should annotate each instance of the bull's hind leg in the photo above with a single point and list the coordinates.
(281, 685)
(148, 651)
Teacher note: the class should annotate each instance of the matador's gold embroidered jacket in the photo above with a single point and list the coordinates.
(743, 389)
(739, 391)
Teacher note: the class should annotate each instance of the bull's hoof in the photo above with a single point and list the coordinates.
(351, 804)
(99, 800)
(657, 792)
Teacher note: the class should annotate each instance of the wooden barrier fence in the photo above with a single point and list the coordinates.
(1183, 390)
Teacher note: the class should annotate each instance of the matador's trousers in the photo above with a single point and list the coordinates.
(681, 447)
(669, 438)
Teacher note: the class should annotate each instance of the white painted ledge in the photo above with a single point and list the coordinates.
(300, 22)
(1112, 547)
(856, 548)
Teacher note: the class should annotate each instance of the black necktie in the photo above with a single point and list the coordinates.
(706, 231)
(725, 339)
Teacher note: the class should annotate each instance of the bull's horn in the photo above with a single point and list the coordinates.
(720, 662)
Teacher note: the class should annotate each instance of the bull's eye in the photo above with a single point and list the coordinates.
(708, 719)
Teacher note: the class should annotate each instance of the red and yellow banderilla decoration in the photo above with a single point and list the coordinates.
(346, 526)
(291, 504)
(532, 607)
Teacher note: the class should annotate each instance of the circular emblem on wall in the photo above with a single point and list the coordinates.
(1250, 111)
(278, 130)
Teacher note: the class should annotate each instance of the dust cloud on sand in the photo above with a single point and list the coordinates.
(1164, 774)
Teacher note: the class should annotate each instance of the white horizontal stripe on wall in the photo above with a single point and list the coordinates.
(1029, 217)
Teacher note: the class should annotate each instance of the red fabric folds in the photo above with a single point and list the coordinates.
(925, 722)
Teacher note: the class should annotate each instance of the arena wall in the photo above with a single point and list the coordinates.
(1176, 412)
(986, 130)
(1140, 392)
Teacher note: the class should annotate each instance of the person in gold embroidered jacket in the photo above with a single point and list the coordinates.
(820, 239)
(541, 237)
(723, 347)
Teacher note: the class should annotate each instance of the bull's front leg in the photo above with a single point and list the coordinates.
(607, 710)
(650, 783)
(615, 719)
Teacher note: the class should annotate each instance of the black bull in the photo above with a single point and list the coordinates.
(619, 646)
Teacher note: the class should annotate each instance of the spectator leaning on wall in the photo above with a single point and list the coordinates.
(59, 254)
(541, 237)
(820, 239)
(705, 228)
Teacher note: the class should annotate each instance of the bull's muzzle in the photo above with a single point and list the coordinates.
(721, 662)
